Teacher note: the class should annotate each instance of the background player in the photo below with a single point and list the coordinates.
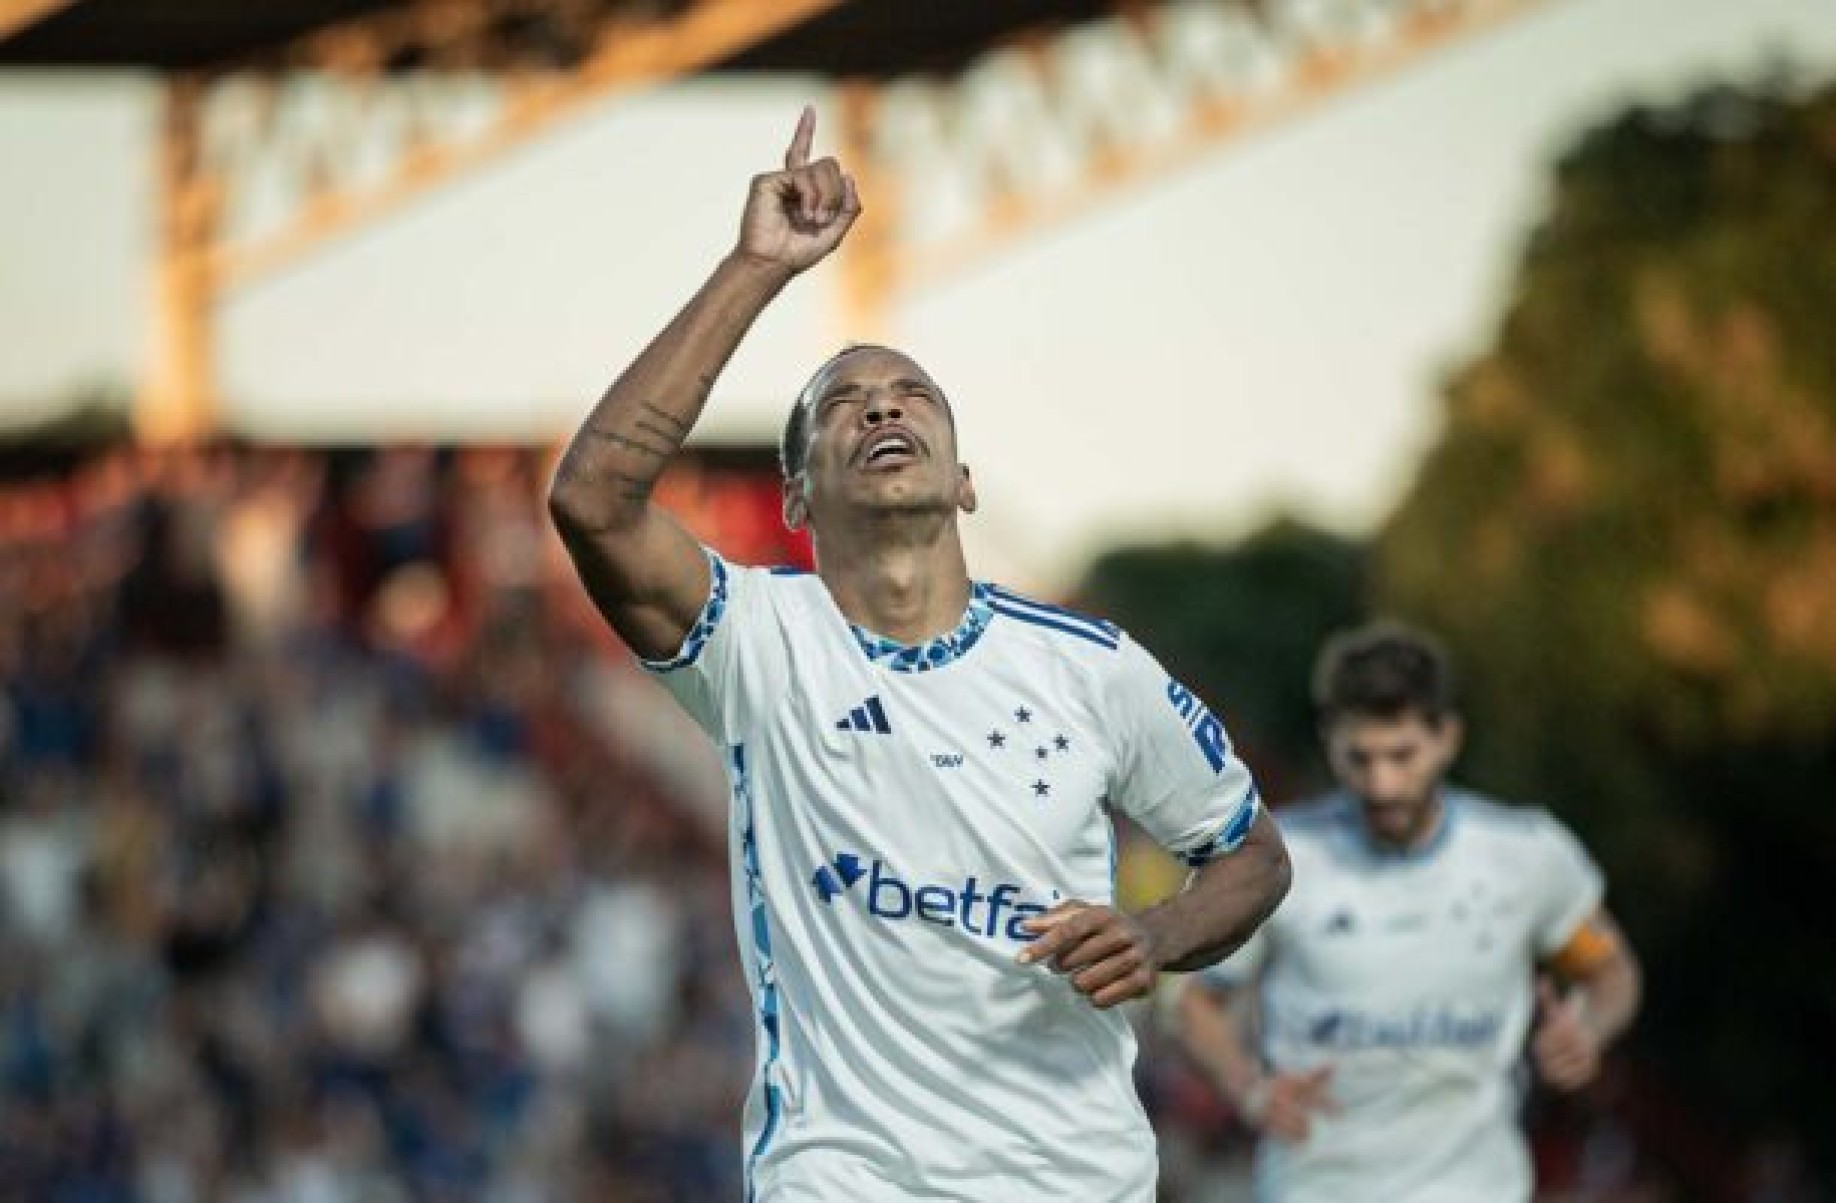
(1395, 985)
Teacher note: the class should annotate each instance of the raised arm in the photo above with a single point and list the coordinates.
(644, 572)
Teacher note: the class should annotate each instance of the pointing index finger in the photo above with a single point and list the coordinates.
(802, 140)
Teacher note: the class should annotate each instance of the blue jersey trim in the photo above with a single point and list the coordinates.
(1115, 860)
(1074, 629)
(1230, 837)
(706, 623)
(1099, 627)
(1451, 812)
(934, 653)
(1347, 811)
(765, 972)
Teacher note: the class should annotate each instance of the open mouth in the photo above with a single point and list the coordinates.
(890, 449)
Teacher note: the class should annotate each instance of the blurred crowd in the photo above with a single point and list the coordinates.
(341, 857)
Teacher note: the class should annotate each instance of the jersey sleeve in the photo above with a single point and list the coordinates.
(1177, 774)
(725, 664)
(1568, 884)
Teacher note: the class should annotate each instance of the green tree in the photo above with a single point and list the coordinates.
(1627, 533)
(1240, 626)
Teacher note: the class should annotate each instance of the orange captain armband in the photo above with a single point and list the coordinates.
(1594, 943)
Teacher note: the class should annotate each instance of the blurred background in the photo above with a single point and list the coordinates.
(344, 856)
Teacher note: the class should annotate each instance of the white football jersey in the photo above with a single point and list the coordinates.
(1411, 975)
(897, 813)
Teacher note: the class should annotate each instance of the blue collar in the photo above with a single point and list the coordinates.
(1425, 851)
(933, 653)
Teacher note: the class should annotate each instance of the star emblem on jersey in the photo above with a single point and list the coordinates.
(1478, 912)
(1046, 750)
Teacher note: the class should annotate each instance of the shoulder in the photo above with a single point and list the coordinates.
(1313, 815)
(1507, 819)
(1518, 827)
(778, 586)
(1314, 821)
(744, 603)
(1051, 624)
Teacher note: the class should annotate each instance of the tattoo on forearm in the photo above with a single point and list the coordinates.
(582, 466)
(656, 440)
(679, 429)
(652, 439)
(637, 445)
(655, 431)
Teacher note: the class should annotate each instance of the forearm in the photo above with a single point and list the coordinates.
(1222, 904)
(609, 469)
(1213, 1038)
(1610, 998)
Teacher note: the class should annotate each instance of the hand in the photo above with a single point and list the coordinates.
(1564, 1048)
(797, 216)
(1283, 1105)
(1108, 955)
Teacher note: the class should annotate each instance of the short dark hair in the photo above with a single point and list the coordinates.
(1385, 669)
(794, 443)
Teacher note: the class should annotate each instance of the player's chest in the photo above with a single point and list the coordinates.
(1444, 926)
(995, 750)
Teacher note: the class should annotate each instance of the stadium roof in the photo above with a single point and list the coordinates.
(865, 38)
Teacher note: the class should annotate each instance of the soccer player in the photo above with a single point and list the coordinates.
(923, 769)
(1430, 930)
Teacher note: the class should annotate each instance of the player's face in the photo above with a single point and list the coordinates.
(1394, 766)
(881, 439)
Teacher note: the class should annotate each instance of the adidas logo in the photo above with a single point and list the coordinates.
(869, 717)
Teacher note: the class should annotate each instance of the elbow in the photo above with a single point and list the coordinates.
(565, 507)
(568, 495)
(1281, 876)
(1277, 867)
(1277, 881)
(580, 512)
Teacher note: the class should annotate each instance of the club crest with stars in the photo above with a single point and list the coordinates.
(1034, 745)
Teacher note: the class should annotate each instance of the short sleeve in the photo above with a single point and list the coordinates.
(724, 659)
(1568, 886)
(1178, 776)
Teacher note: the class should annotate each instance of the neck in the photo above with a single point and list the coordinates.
(1419, 836)
(899, 575)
